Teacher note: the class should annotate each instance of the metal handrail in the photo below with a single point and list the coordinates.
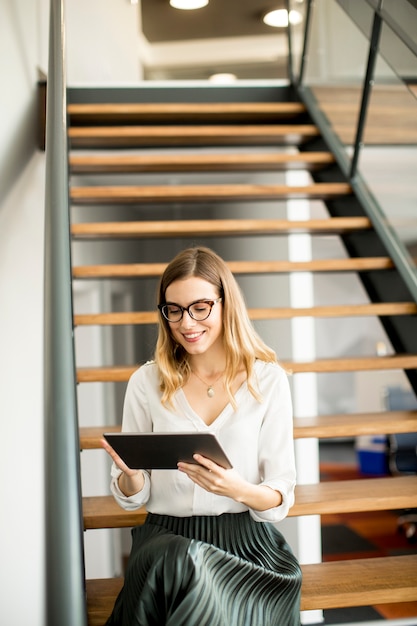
(391, 21)
(65, 596)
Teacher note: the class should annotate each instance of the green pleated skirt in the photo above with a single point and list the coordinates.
(225, 570)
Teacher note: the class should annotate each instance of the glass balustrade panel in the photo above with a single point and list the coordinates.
(388, 157)
(336, 65)
(298, 11)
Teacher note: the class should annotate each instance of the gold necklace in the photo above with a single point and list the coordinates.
(210, 390)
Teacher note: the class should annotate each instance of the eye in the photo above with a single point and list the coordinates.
(200, 307)
(172, 309)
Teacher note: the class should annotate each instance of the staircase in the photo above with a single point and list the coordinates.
(127, 154)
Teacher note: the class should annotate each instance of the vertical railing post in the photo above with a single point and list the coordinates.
(65, 601)
(367, 88)
(290, 61)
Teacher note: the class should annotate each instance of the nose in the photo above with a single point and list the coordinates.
(187, 321)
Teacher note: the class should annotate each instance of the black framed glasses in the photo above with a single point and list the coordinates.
(198, 310)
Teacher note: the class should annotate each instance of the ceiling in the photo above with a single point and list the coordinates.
(220, 18)
(226, 36)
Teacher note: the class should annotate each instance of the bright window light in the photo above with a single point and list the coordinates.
(279, 18)
(188, 5)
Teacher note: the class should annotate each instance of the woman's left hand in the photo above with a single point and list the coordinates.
(213, 477)
(228, 482)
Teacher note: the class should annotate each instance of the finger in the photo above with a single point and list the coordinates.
(206, 463)
(110, 451)
(117, 459)
(196, 473)
(190, 468)
(107, 447)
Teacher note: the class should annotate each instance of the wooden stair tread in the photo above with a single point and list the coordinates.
(122, 373)
(347, 496)
(360, 582)
(203, 193)
(355, 424)
(321, 427)
(213, 135)
(101, 596)
(194, 228)
(239, 267)
(351, 310)
(90, 436)
(390, 120)
(80, 164)
(336, 584)
(382, 135)
(138, 317)
(98, 113)
(351, 496)
(104, 512)
(352, 364)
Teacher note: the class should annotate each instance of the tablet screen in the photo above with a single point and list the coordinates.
(165, 450)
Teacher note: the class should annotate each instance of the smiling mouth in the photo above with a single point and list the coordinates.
(191, 336)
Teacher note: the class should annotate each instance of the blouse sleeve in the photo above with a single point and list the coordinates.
(276, 445)
(136, 418)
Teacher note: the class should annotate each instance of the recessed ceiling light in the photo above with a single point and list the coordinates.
(279, 18)
(222, 78)
(188, 5)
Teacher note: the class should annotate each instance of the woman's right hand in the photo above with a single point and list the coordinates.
(130, 481)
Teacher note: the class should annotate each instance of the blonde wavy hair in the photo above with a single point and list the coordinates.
(242, 343)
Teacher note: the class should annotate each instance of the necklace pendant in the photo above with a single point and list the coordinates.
(210, 392)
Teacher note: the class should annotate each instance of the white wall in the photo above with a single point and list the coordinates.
(23, 30)
(21, 406)
(102, 42)
(22, 50)
(24, 34)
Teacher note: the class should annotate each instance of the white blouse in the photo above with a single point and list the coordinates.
(257, 438)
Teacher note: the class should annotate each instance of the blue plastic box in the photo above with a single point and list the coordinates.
(372, 455)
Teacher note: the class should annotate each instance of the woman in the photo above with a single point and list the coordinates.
(208, 553)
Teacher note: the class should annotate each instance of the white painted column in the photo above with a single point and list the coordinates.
(304, 385)
(93, 410)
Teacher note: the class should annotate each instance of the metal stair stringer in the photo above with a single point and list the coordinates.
(380, 288)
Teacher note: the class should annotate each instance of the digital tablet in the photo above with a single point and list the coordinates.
(165, 450)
